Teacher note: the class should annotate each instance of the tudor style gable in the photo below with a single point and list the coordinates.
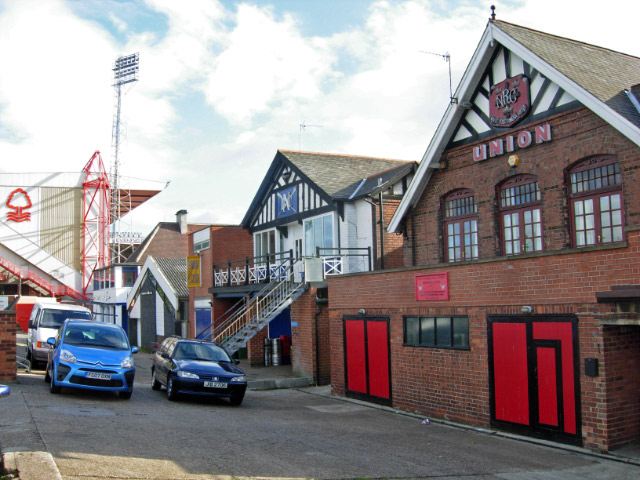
(286, 194)
(518, 76)
(512, 93)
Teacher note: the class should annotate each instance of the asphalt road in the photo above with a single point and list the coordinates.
(277, 433)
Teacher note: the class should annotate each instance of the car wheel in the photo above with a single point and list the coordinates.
(155, 384)
(236, 400)
(47, 377)
(125, 395)
(53, 388)
(171, 393)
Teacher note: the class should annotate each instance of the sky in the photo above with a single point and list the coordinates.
(224, 84)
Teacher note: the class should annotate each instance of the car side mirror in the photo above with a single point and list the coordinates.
(165, 355)
(134, 349)
(51, 341)
(236, 362)
(31, 324)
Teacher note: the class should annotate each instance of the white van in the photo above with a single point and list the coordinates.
(46, 318)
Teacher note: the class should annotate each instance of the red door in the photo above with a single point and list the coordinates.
(366, 344)
(533, 371)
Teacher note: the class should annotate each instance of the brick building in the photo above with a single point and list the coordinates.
(314, 215)
(113, 284)
(517, 306)
(213, 244)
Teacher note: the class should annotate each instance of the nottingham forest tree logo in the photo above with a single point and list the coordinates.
(19, 201)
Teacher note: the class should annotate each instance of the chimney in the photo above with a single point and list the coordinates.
(181, 219)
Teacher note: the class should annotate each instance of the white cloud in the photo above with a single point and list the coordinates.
(369, 87)
(266, 62)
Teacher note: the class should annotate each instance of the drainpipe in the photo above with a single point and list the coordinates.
(319, 302)
(381, 233)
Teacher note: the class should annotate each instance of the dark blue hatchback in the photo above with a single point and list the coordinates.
(197, 367)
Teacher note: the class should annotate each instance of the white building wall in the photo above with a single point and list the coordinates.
(23, 238)
(159, 315)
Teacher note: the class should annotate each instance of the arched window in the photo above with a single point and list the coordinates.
(596, 201)
(520, 215)
(460, 226)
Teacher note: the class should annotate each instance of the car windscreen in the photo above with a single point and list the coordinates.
(96, 335)
(200, 351)
(55, 318)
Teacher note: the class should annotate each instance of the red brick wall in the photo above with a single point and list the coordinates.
(575, 135)
(228, 242)
(255, 348)
(454, 384)
(393, 242)
(8, 327)
(303, 338)
(166, 243)
(622, 379)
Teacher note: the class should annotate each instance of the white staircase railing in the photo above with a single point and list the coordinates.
(248, 319)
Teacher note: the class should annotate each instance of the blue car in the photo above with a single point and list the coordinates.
(4, 391)
(92, 356)
(197, 367)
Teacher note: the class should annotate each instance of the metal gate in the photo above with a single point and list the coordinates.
(367, 359)
(534, 375)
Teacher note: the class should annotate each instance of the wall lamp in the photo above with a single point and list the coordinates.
(526, 309)
(362, 311)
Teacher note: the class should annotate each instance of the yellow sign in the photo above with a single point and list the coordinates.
(194, 278)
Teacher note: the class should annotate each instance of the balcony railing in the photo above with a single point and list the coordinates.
(267, 268)
(253, 270)
(337, 261)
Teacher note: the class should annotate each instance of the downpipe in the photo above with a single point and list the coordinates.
(319, 302)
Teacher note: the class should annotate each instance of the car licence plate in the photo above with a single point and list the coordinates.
(99, 376)
(215, 384)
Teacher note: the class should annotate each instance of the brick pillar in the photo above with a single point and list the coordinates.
(8, 329)
(255, 348)
(304, 359)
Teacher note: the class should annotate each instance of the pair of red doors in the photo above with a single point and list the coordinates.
(534, 375)
(367, 360)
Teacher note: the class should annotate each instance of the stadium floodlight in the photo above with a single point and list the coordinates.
(125, 69)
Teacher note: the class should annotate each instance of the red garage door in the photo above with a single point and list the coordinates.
(366, 345)
(533, 362)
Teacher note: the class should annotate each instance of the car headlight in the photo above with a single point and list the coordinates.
(187, 374)
(67, 356)
(127, 362)
(240, 378)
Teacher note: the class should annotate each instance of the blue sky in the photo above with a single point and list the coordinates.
(224, 84)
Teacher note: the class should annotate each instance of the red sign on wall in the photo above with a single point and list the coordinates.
(509, 101)
(19, 201)
(432, 286)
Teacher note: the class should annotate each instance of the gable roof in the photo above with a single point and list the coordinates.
(605, 74)
(176, 242)
(171, 275)
(338, 176)
(596, 77)
(335, 173)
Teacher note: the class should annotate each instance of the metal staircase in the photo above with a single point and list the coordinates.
(247, 317)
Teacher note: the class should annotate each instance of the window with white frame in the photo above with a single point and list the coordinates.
(201, 240)
(264, 246)
(318, 233)
(596, 201)
(460, 226)
(520, 215)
